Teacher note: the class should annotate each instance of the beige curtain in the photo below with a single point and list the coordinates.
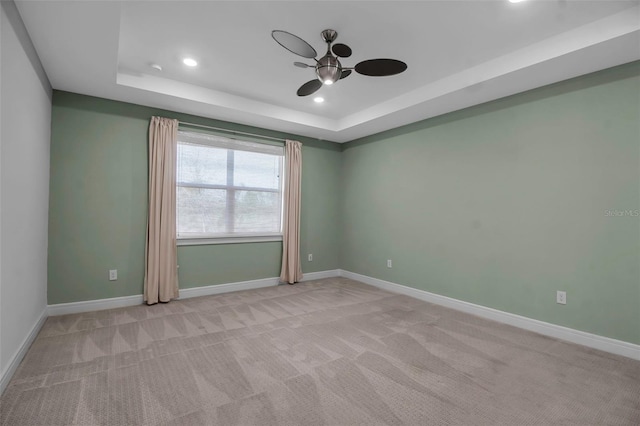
(161, 273)
(291, 266)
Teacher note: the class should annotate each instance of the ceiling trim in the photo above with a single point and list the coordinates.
(104, 49)
(475, 85)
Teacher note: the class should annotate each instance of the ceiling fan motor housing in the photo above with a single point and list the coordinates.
(328, 69)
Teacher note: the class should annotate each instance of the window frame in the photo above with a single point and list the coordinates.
(232, 146)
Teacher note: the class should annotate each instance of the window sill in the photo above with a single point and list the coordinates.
(199, 241)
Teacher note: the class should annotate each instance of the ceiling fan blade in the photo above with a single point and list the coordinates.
(309, 87)
(380, 67)
(345, 74)
(302, 65)
(341, 50)
(294, 44)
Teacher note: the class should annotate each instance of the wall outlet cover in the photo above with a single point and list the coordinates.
(561, 297)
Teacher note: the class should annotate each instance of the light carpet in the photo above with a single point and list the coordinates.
(326, 352)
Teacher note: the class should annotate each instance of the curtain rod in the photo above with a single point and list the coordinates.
(231, 131)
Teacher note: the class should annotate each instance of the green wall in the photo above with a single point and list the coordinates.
(500, 204)
(504, 203)
(98, 206)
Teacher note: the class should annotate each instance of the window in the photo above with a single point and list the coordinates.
(228, 188)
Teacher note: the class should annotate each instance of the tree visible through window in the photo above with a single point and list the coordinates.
(227, 188)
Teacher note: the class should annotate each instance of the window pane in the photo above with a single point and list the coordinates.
(202, 164)
(256, 170)
(201, 210)
(226, 164)
(257, 211)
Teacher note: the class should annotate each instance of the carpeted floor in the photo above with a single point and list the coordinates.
(327, 352)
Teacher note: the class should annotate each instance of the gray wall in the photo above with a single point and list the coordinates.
(505, 203)
(24, 179)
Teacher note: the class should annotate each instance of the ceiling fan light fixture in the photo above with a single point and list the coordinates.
(318, 99)
(328, 69)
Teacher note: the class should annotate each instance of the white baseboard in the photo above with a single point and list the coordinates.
(7, 374)
(226, 288)
(310, 276)
(186, 293)
(94, 305)
(602, 343)
(249, 285)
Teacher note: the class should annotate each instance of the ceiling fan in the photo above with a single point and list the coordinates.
(328, 68)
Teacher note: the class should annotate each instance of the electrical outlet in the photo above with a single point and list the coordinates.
(113, 274)
(561, 297)
(310, 257)
(389, 263)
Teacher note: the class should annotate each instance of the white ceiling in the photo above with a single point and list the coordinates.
(459, 53)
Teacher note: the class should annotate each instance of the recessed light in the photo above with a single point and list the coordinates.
(516, 1)
(190, 62)
(156, 67)
(318, 99)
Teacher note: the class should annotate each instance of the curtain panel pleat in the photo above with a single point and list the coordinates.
(291, 264)
(161, 269)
